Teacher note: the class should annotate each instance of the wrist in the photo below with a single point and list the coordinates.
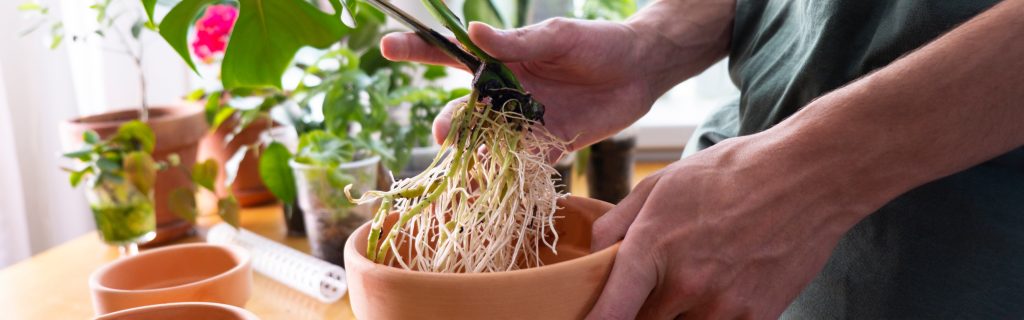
(676, 40)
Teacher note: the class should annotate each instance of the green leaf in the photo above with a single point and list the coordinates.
(232, 164)
(484, 11)
(370, 22)
(205, 173)
(76, 176)
(435, 72)
(108, 164)
(276, 173)
(83, 154)
(136, 135)
(137, 28)
(149, 5)
(323, 149)
(90, 137)
(212, 110)
(174, 27)
(140, 169)
(228, 210)
(266, 36)
(197, 94)
(183, 203)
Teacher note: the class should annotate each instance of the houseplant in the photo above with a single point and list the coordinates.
(178, 128)
(121, 173)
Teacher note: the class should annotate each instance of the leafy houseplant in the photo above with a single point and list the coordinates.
(121, 174)
(178, 128)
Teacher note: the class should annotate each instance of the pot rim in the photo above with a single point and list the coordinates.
(347, 165)
(175, 112)
(242, 256)
(245, 314)
(360, 258)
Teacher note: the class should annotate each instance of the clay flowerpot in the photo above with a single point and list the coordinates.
(177, 129)
(182, 310)
(566, 287)
(248, 188)
(183, 273)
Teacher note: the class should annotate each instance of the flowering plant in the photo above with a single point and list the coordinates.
(212, 31)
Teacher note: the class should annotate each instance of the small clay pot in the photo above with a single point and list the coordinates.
(182, 273)
(177, 129)
(182, 310)
(248, 188)
(566, 287)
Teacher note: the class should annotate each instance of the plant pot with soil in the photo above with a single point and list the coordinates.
(565, 287)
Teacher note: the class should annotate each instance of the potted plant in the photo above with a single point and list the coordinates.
(121, 174)
(177, 127)
(483, 228)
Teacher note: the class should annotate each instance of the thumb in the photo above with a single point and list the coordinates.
(443, 122)
(612, 226)
(534, 42)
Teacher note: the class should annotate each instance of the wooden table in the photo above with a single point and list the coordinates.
(54, 283)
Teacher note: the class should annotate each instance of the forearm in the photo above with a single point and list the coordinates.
(948, 106)
(681, 38)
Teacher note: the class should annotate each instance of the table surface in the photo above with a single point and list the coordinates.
(54, 283)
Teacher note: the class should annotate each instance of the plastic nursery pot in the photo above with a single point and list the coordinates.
(124, 215)
(330, 218)
(178, 129)
(182, 310)
(197, 272)
(610, 171)
(566, 287)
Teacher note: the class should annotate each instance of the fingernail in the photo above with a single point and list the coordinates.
(394, 47)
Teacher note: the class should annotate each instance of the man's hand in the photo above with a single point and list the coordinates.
(594, 78)
(727, 233)
(585, 73)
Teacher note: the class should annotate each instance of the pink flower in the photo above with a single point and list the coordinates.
(212, 31)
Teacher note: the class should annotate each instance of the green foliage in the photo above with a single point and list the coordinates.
(614, 10)
(264, 39)
(276, 173)
(484, 11)
(140, 169)
(183, 203)
(205, 173)
(228, 209)
(124, 156)
(322, 148)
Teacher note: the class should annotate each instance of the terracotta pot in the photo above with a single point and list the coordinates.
(247, 187)
(566, 287)
(177, 129)
(183, 273)
(182, 310)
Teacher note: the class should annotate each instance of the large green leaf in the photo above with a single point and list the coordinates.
(174, 28)
(266, 36)
(276, 173)
(484, 11)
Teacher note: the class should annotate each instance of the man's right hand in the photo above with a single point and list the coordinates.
(589, 75)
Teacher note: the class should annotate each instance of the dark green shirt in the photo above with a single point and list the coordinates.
(953, 248)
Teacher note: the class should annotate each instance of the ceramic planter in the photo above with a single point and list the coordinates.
(330, 217)
(182, 310)
(566, 287)
(178, 130)
(248, 188)
(197, 272)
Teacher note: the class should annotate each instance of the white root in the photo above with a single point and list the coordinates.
(473, 211)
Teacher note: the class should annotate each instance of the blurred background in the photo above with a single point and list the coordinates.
(46, 81)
